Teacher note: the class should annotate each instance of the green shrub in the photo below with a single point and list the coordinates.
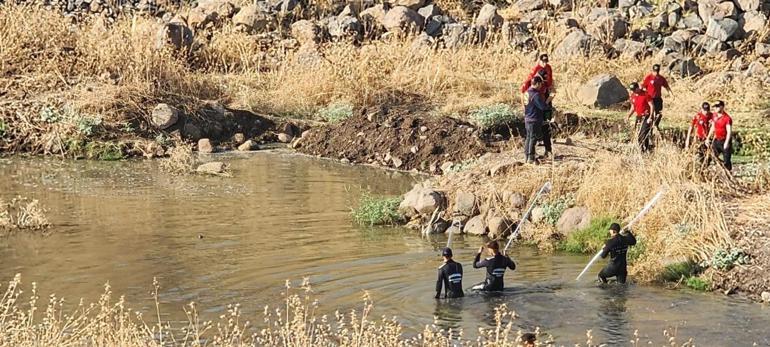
(725, 260)
(336, 112)
(86, 125)
(462, 166)
(753, 143)
(377, 210)
(636, 252)
(491, 116)
(590, 239)
(552, 210)
(676, 271)
(697, 283)
(104, 151)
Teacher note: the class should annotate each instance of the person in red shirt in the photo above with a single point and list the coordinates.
(701, 124)
(654, 83)
(542, 64)
(544, 71)
(722, 132)
(641, 105)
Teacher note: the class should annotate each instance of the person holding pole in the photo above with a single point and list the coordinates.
(616, 247)
(495, 265)
(450, 276)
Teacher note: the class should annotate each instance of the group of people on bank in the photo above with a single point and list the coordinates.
(708, 129)
(450, 273)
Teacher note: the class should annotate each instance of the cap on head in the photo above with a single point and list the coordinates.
(633, 86)
(544, 58)
(493, 245)
(705, 106)
(656, 68)
(719, 103)
(615, 227)
(447, 252)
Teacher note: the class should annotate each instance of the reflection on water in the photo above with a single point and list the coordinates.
(217, 241)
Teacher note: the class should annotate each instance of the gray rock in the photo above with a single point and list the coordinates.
(629, 48)
(375, 14)
(537, 215)
(285, 138)
(722, 30)
(748, 5)
(429, 11)
(421, 200)
(576, 43)
(439, 227)
(626, 4)
(756, 69)
(724, 10)
(212, 168)
(488, 17)
(640, 11)
(529, 5)
(411, 4)
(283, 6)
(306, 32)
(708, 44)
(602, 91)
(475, 226)
(164, 116)
(685, 68)
(402, 20)
(753, 22)
(239, 138)
(465, 203)
(573, 219)
(762, 49)
(247, 146)
(517, 200)
(216, 8)
(673, 19)
(177, 35)
(454, 35)
(765, 296)
(252, 19)
(706, 9)
(344, 27)
(660, 22)
(191, 132)
(690, 21)
(204, 146)
(499, 227)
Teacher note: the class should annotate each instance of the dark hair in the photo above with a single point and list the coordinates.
(705, 105)
(615, 227)
(537, 80)
(656, 67)
(528, 337)
(719, 103)
(493, 245)
(543, 57)
(633, 86)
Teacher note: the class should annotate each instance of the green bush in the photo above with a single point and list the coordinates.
(753, 143)
(552, 210)
(377, 210)
(494, 115)
(636, 252)
(336, 112)
(676, 271)
(697, 283)
(725, 260)
(590, 239)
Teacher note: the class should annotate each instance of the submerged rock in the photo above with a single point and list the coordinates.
(475, 226)
(213, 168)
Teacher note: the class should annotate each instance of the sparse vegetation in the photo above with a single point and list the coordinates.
(680, 270)
(493, 116)
(181, 160)
(726, 259)
(22, 214)
(552, 210)
(590, 239)
(698, 284)
(377, 210)
(336, 112)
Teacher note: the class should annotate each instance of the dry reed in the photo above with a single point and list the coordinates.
(22, 214)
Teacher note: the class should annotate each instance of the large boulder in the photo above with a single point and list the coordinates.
(411, 4)
(722, 30)
(748, 5)
(454, 35)
(488, 17)
(306, 32)
(574, 218)
(706, 9)
(344, 27)
(576, 43)
(608, 28)
(421, 201)
(475, 226)
(374, 14)
(176, 35)
(499, 227)
(630, 48)
(429, 11)
(684, 67)
(753, 22)
(690, 21)
(708, 44)
(252, 19)
(164, 116)
(762, 49)
(205, 146)
(465, 203)
(602, 91)
(756, 69)
(218, 8)
(403, 20)
(529, 5)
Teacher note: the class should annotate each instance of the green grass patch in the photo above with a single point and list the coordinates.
(492, 116)
(336, 112)
(697, 283)
(590, 239)
(552, 210)
(377, 210)
(676, 271)
(108, 151)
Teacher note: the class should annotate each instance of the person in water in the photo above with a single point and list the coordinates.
(528, 340)
(616, 247)
(450, 276)
(496, 265)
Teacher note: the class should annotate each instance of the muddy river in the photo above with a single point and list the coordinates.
(283, 217)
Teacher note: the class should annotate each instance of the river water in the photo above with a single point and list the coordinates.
(283, 217)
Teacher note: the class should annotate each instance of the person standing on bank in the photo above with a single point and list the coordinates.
(534, 116)
(495, 265)
(544, 71)
(616, 247)
(701, 123)
(450, 276)
(641, 105)
(653, 83)
(722, 132)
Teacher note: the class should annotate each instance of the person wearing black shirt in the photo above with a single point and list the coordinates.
(616, 247)
(495, 265)
(450, 276)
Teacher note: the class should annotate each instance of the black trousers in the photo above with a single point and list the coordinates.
(719, 148)
(619, 272)
(644, 137)
(534, 131)
(547, 137)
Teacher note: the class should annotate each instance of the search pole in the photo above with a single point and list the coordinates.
(544, 190)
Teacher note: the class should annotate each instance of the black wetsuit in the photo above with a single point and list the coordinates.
(450, 276)
(616, 248)
(495, 270)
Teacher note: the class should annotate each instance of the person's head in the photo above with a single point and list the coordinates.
(542, 74)
(705, 107)
(656, 69)
(493, 247)
(719, 106)
(543, 59)
(634, 87)
(614, 229)
(537, 81)
(528, 339)
(447, 253)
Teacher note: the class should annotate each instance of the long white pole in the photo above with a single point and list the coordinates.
(639, 216)
(546, 188)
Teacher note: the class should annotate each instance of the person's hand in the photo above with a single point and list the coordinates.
(726, 146)
(649, 120)
(481, 249)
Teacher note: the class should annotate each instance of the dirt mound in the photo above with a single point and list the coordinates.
(399, 140)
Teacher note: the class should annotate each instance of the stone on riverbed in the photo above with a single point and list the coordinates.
(217, 168)
(421, 200)
(204, 146)
(475, 226)
(164, 116)
(572, 219)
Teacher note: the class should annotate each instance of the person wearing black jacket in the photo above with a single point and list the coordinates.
(450, 276)
(616, 247)
(534, 117)
(496, 265)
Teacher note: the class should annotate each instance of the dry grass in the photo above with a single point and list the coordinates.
(297, 322)
(181, 160)
(22, 214)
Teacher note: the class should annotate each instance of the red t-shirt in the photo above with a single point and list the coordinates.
(653, 84)
(548, 78)
(641, 104)
(720, 125)
(702, 123)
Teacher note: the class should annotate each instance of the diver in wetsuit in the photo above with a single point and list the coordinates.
(616, 247)
(496, 265)
(450, 276)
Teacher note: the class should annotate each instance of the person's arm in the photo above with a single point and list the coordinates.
(729, 135)
(629, 236)
(711, 132)
(689, 135)
(478, 262)
(606, 249)
(651, 107)
(630, 111)
(439, 283)
(526, 85)
(665, 85)
(539, 102)
(511, 265)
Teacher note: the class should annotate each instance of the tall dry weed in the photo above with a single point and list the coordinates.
(22, 214)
